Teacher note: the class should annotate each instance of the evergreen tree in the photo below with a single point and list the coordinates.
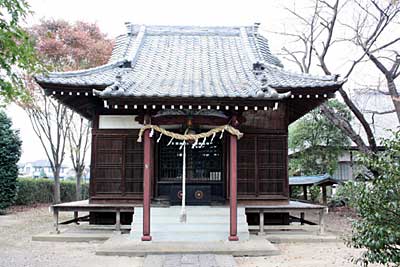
(10, 152)
(376, 228)
(317, 142)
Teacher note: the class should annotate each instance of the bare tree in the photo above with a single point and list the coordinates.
(79, 142)
(51, 123)
(319, 35)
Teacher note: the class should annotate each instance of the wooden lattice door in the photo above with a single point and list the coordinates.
(262, 165)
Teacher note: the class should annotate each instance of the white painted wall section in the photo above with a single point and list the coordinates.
(118, 122)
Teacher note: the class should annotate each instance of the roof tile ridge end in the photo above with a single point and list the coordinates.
(138, 43)
(246, 45)
(255, 34)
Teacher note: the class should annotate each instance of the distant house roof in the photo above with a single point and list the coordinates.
(186, 61)
(40, 163)
(312, 180)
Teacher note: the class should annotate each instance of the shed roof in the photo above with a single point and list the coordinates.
(187, 61)
(312, 180)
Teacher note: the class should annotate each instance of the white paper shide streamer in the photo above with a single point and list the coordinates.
(183, 216)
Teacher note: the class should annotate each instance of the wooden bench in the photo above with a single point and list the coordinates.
(292, 206)
(85, 206)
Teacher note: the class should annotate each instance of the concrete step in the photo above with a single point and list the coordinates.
(182, 227)
(204, 223)
(190, 236)
(197, 210)
(190, 218)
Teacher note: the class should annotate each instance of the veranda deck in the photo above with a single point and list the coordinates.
(292, 207)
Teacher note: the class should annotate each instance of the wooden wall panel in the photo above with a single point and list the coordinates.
(262, 166)
(246, 168)
(108, 164)
(134, 165)
(271, 120)
(117, 168)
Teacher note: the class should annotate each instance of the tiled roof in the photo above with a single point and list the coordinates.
(172, 61)
(312, 180)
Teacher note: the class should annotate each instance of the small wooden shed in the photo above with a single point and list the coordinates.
(313, 180)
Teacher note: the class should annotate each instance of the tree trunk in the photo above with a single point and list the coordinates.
(395, 96)
(360, 116)
(78, 185)
(57, 194)
(346, 127)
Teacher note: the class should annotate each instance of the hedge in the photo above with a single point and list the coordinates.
(32, 191)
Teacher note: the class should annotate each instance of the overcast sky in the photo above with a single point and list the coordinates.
(111, 16)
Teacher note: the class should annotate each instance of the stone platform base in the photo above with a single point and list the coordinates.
(121, 245)
(278, 237)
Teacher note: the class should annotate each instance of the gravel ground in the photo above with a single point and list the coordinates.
(338, 222)
(305, 255)
(17, 249)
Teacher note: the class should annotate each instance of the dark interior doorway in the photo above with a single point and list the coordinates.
(205, 174)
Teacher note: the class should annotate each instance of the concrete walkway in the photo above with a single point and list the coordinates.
(189, 260)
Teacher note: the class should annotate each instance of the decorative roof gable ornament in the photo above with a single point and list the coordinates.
(259, 70)
(115, 88)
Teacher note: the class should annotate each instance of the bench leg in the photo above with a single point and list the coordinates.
(321, 222)
(118, 220)
(301, 218)
(76, 216)
(55, 216)
(261, 230)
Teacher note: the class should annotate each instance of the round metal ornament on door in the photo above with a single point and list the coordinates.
(199, 194)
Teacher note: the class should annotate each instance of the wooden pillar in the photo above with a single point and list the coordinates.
(146, 186)
(233, 189)
(305, 192)
(324, 198)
